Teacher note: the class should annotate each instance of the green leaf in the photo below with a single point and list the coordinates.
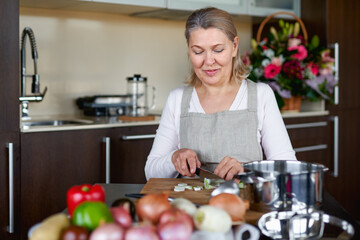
(315, 41)
(281, 23)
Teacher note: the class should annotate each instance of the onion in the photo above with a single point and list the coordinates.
(232, 204)
(143, 232)
(212, 219)
(150, 207)
(109, 231)
(175, 230)
(174, 214)
(184, 204)
(121, 216)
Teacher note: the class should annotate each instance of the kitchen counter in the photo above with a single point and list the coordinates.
(88, 122)
(330, 205)
(92, 122)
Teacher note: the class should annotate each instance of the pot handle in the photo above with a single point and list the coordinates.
(153, 97)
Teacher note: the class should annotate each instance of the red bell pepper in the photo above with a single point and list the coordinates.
(86, 192)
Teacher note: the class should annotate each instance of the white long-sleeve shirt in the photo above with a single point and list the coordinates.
(271, 134)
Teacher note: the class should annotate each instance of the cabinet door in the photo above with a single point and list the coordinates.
(231, 6)
(311, 138)
(266, 7)
(9, 186)
(52, 162)
(9, 65)
(143, 3)
(129, 150)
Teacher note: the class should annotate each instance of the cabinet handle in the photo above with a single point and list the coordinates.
(106, 140)
(336, 70)
(306, 125)
(137, 137)
(10, 228)
(311, 148)
(335, 173)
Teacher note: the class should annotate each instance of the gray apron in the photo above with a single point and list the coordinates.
(228, 133)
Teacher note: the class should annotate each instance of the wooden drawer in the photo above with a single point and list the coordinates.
(312, 138)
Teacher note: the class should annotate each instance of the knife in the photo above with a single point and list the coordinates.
(140, 195)
(246, 176)
(202, 173)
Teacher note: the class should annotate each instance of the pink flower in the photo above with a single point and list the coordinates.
(326, 71)
(314, 68)
(246, 60)
(271, 71)
(301, 54)
(293, 42)
(276, 61)
(325, 56)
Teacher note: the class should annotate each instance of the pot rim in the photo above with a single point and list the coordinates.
(318, 167)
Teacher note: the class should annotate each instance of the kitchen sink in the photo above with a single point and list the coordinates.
(37, 123)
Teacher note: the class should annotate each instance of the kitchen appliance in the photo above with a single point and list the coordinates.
(137, 88)
(104, 105)
(290, 185)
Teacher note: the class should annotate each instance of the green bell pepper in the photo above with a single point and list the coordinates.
(90, 214)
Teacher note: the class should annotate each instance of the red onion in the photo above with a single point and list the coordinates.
(109, 231)
(175, 230)
(144, 232)
(121, 216)
(175, 214)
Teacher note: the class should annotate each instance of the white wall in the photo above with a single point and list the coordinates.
(83, 53)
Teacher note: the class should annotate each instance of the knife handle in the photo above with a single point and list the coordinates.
(134, 195)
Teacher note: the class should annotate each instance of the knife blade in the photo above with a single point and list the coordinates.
(140, 195)
(246, 176)
(213, 178)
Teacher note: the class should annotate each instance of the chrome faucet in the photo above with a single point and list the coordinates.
(35, 87)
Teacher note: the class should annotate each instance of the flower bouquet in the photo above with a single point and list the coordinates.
(293, 67)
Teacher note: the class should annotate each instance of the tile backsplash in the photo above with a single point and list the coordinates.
(83, 53)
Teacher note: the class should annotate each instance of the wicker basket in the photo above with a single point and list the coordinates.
(263, 23)
(292, 104)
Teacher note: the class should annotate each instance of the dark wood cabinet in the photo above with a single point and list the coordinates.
(9, 66)
(52, 162)
(9, 119)
(312, 138)
(9, 185)
(129, 150)
(339, 21)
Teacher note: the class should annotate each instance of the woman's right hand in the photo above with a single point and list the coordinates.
(185, 161)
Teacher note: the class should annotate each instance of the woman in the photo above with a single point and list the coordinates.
(221, 119)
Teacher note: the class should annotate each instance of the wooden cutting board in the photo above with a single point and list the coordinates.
(161, 185)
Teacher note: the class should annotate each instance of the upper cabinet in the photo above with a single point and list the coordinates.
(238, 7)
(262, 8)
(170, 9)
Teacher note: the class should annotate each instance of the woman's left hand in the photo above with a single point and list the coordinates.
(228, 167)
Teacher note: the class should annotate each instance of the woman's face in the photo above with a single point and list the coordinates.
(211, 54)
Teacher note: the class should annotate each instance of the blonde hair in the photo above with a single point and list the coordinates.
(215, 18)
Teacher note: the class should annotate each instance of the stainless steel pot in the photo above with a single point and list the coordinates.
(285, 185)
(304, 225)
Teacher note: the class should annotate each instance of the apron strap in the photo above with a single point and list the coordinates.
(185, 101)
(252, 96)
